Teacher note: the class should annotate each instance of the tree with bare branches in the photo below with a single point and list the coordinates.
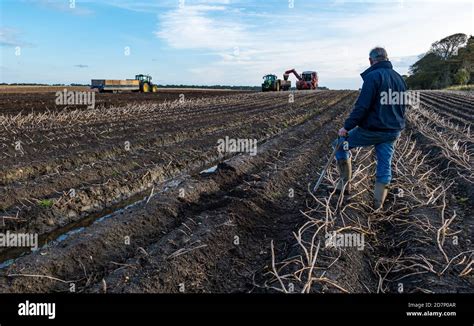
(449, 46)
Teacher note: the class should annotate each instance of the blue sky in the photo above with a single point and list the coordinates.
(211, 42)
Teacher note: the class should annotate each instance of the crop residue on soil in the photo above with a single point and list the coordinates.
(204, 221)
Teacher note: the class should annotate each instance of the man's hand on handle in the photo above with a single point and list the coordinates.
(342, 132)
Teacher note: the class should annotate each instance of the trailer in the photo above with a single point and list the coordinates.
(115, 85)
(141, 83)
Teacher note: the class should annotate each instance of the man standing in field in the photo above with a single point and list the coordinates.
(374, 121)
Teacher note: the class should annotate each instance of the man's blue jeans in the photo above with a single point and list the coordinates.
(384, 143)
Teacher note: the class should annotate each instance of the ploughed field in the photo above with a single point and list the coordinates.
(26, 99)
(119, 199)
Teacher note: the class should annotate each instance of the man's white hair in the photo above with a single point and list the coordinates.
(378, 54)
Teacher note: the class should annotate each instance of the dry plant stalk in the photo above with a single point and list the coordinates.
(416, 187)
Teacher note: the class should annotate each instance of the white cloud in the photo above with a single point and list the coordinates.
(189, 27)
(336, 46)
(11, 37)
(72, 7)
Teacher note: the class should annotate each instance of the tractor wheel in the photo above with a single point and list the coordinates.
(145, 88)
(154, 88)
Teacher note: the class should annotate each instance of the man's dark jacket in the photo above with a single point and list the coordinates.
(369, 113)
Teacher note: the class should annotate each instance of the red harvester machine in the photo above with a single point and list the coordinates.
(307, 80)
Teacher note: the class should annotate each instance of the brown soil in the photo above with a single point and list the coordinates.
(186, 231)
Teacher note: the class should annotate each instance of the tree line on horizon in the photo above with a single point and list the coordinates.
(449, 62)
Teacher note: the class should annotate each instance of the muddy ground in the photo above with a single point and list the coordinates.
(119, 202)
(40, 99)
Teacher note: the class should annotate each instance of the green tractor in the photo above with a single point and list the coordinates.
(146, 84)
(272, 84)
